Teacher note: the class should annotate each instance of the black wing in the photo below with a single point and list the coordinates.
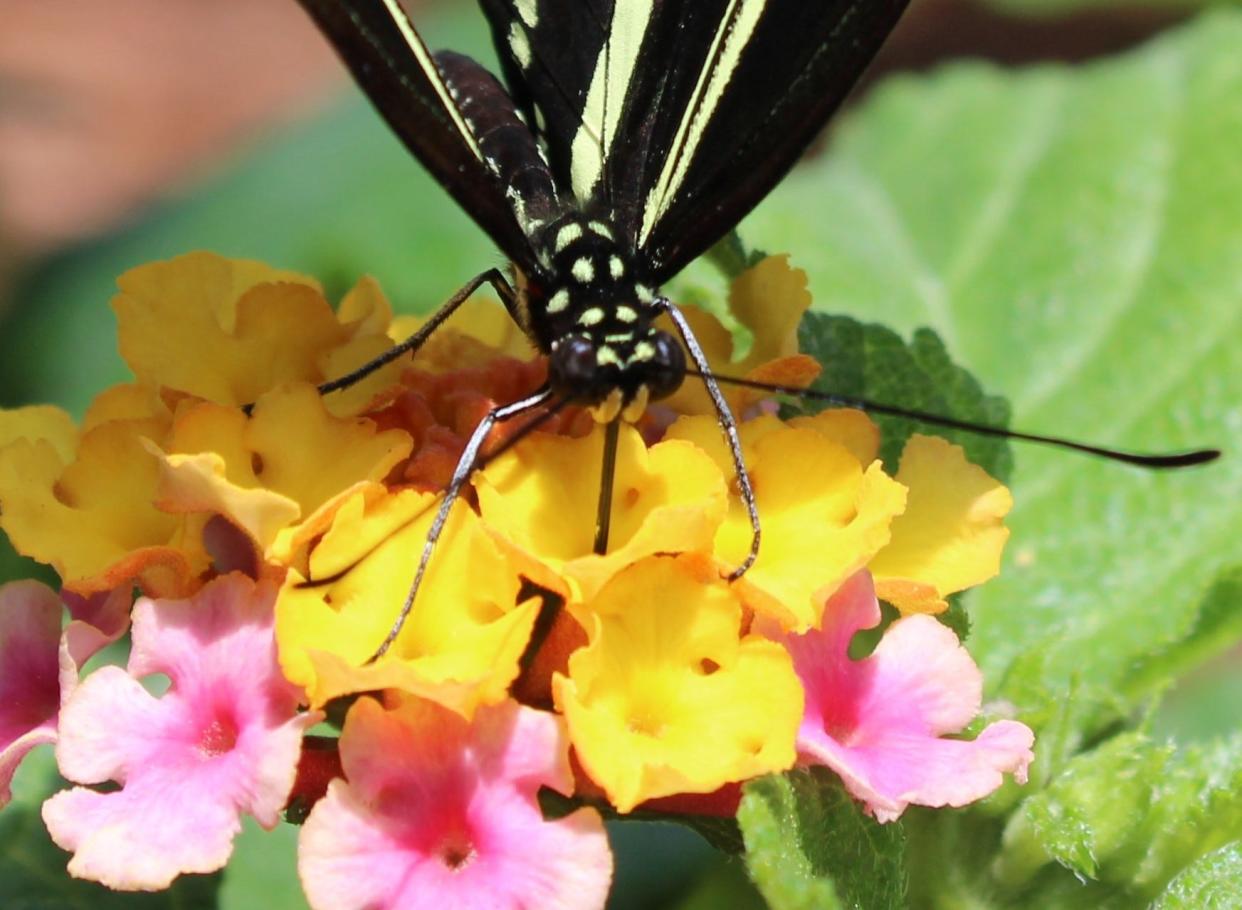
(679, 116)
(451, 114)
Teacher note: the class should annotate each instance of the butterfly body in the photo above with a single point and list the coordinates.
(627, 138)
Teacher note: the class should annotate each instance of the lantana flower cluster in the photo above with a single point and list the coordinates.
(272, 534)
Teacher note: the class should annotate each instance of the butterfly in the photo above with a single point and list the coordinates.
(627, 137)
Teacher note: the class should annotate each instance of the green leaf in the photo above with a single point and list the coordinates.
(32, 868)
(263, 863)
(1130, 814)
(1212, 882)
(871, 361)
(1074, 236)
(808, 845)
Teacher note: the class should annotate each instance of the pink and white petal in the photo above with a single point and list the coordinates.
(141, 840)
(386, 857)
(109, 725)
(901, 769)
(922, 679)
(379, 752)
(106, 611)
(835, 685)
(224, 739)
(95, 622)
(224, 631)
(430, 817)
(529, 748)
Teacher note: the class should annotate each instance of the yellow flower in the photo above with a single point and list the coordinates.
(282, 467)
(228, 330)
(542, 495)
(823, 514)
(670, 696)
(82, 502)
(460, 645)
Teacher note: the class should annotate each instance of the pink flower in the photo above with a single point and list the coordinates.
(878, 722)
(39, 664)
(441, 813)
(223, 740)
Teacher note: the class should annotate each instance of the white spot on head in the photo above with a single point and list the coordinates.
(645, 294)
(606, 356)
(644, 350)
(616, 267)
(520, 45)
(584, 271)
(626, 314)
(559, 302)
(593, 316)
(567, 235)
(618, 337)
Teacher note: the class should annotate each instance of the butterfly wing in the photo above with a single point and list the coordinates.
(678, 116)
(425, 102)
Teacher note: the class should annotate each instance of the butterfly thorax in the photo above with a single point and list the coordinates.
(590, 311)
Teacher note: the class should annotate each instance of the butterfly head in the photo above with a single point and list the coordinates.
(603, 350)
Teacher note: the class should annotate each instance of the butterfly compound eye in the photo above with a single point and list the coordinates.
(667, 367)
(573, 368)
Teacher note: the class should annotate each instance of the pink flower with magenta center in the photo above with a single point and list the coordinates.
(440, 812)
(224, 740)
(879, 722)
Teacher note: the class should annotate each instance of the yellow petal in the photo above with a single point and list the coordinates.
(461, 643)
(952, 533)
(276, 470)
(40, 422)
(92, 517)
(222, 329)
(823, 515)
(543, 495)
(848, 427)
(768, 299)
(668, 697)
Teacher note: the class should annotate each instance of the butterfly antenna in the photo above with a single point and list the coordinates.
(1155, 461)
(728, 426)
(603, 512)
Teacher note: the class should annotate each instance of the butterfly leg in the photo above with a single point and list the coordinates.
(728, 425)
(415, 341)
(465, 467)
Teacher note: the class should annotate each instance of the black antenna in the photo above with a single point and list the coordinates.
(1160, 461)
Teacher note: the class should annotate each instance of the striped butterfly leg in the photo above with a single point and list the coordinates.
(466, 464)
(728, 426)
(492, 276)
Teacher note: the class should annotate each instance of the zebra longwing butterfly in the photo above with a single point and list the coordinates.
(629, 136)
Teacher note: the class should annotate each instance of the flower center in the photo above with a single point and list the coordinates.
(457, 853)
(218, 737)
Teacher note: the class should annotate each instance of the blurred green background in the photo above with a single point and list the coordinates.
(1054, 187)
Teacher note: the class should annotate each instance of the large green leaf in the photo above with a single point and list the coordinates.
(809, 846)
(1075, 238)
(1130, 815)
